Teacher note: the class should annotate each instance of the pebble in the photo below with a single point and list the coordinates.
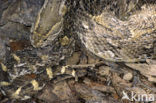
(128, 76)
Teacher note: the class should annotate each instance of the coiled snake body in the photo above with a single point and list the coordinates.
(94, 24)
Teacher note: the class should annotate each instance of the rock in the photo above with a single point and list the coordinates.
(62, 91)
(21, 11)
(74, 59)
(152, 70)
(152, 79)
(48, 96)
(2, 50)
(104, 70)
(148, 70)
(118, 81)
(98, 86)
(138, 90)
(88, 93)
(83, 60)
(92, 60)
(128, 76)
(15, 31)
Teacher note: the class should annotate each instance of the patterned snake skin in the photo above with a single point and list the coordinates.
(111, 31)
(112, 39)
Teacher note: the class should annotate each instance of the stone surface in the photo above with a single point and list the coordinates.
(92, 60)
(104, 70)
(21, 11)
(74, 59)
(2, 50)
(128, 76)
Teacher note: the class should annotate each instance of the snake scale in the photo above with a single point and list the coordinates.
(118, 31)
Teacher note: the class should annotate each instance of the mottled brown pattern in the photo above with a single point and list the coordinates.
(112, 39)
(110, 31)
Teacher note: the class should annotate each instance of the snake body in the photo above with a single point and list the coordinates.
(98, 28)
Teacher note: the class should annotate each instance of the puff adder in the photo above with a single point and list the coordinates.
(128, 37)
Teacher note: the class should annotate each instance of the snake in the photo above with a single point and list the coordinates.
(115, 31)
